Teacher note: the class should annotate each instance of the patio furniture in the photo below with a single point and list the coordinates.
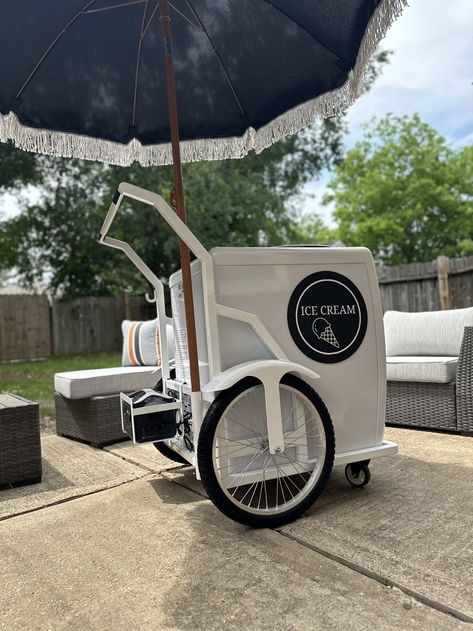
(20, 447)
(429, 369)
(88, 401)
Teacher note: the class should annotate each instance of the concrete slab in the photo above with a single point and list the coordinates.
(412, 525)
(153, 555)
(146, 456)
(70, 469)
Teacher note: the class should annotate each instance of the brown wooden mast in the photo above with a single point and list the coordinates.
(180, 202)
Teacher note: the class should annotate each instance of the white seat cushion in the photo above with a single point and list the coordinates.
(437, 333)
(81, 384)
(428, 369)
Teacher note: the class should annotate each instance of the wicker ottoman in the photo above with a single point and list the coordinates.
(20, 447)
(95, 420)
(88, 401)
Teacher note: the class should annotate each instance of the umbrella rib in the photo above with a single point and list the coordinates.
(302, 27)
(115, 6)
(51, 46)
(151, 18)
(218, 57)
(196, 26)
(138, 60)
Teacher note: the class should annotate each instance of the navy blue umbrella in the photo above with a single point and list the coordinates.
(88, 78)
(85, 78)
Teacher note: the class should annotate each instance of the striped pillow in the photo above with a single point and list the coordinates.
(140, 343)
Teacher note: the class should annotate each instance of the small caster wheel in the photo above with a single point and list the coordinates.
(358, 474)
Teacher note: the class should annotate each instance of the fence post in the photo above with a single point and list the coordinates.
(443, 266)
(127, 305)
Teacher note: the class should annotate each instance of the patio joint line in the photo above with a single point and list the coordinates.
(383, 580)
(74, 497)
(145, 467)
(182, 485)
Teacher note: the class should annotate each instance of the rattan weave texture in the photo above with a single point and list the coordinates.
(465, 383)
(95, 420)
(421, 404)
(20, 447)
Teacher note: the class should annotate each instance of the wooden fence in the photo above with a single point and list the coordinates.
(25, 330)
(31, 328)
(442, 284)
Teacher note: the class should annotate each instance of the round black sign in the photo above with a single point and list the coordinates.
(327, 317)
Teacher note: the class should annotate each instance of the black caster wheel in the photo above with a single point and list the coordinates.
(358, 474)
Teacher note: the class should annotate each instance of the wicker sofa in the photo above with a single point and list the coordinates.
(429, 369)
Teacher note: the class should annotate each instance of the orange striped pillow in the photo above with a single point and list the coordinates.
(140, 343)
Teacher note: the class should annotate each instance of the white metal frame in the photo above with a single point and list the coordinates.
(269, 372)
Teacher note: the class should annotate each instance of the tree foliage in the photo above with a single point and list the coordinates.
(404, 193)
(17, 168)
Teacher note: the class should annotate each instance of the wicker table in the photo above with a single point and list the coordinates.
(20, 447)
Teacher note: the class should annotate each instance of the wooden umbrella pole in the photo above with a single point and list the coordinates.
(165, 20)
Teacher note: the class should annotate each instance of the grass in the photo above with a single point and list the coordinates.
(34, 380)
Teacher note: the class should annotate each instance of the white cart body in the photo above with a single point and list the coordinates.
(260, 281)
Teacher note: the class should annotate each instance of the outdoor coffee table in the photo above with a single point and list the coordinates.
(20, 447)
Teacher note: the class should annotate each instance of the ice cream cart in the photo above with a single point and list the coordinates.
(292, 370)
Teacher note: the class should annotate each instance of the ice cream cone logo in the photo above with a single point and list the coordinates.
(323, 331)
(327, 317)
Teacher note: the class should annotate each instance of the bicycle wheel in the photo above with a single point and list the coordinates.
(241, 477)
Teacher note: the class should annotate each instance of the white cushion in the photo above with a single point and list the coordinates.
(426, 333)
(81, 384)
(429, 369)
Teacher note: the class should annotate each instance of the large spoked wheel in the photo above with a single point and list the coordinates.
(242, 478)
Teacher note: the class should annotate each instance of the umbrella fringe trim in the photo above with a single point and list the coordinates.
(330, 104)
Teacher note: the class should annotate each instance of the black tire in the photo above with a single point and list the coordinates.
(164, 449)
(358, 474)
(169, 453)
(205, 457)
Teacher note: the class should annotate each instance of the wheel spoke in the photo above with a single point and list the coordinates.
(241, 424)
(242, 473)
(283, 479)
(253, 485)
(294, 467)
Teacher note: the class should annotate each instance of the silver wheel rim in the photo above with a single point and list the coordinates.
(356, 480)
(253, 479)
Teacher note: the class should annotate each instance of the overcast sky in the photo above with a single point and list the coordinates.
(431, 72)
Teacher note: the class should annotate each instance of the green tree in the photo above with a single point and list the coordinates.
(404, 193)
(17, 168)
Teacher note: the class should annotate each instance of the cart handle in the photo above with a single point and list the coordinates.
(158, 287)
(184, 233)
(167, 213)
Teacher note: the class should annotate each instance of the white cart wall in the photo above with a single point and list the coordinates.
(261, 281)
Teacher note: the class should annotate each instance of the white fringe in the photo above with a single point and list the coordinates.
(330, 104)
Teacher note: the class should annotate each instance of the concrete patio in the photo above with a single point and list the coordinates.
(124, 539)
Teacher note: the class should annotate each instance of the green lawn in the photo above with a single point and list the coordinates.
(35, 380)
